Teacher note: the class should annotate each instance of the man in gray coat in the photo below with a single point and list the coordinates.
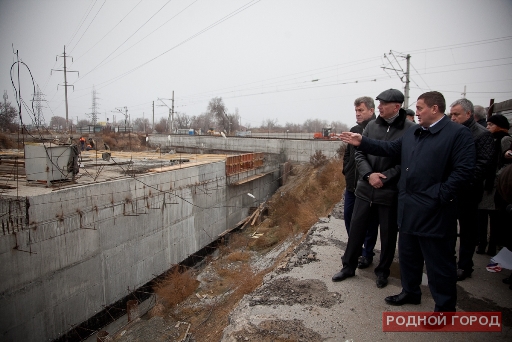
(376, 190)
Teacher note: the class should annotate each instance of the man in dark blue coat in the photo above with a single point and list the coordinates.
(437, 161)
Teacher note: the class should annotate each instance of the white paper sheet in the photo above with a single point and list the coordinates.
(504, 258)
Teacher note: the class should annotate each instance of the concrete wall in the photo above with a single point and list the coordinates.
(81, 248)
(293, 150)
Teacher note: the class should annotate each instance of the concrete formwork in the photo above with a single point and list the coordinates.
(79, 249)
(293, 150)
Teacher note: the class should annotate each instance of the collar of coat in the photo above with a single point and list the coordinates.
(365, 122)
(437, 127)
(469, 122)
(398, 122)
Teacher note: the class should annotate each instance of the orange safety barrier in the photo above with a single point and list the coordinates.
(243, 162)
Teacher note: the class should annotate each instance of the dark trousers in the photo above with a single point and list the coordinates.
(439, 256)
(467, 212)
(488, 219)
(364, 213)
(371, 233)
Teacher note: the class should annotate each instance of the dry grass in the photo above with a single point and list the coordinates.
(209, 322)
(122, 141)
(6, 142)
(176, 287)
(238, 256)
(318, 159)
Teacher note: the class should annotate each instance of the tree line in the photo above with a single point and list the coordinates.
(218, 118)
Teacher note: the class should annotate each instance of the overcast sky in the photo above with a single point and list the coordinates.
(271, 59)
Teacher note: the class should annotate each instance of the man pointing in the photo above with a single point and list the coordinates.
(437, 161)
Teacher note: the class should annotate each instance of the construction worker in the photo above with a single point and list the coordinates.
(82, 143)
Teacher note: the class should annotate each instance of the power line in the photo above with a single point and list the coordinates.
(462, 45)
(87, 28)
(81, 23)
(97, 66)
(112, 29)
(149, 34)
(237, 11)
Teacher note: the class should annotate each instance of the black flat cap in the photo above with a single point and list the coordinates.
(410, 112)
(391, 95)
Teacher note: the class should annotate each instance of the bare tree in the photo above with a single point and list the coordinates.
(293, 127)
(203, 122)
(182, 120)
(339, 126)
(58, 122)
(218, 109)
(314, 125)
(269, 124)
(8, 116)
(161, 126)
(141, 125)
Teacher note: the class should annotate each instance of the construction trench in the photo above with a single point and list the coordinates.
(74, 248)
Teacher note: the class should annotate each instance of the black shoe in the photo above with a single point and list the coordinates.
(381, 282)
(461, 274)
(491, 251)
(364, 262)
(403, 298)
(508, 280)
(343, 274)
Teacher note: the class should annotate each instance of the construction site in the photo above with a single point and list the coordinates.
(84, 232)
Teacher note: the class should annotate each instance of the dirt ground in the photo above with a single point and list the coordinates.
(194, 304)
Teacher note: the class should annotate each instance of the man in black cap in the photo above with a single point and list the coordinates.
(437, 161)
(462, 112)
(376, 190)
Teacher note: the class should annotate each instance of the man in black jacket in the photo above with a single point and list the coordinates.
(437, 161)
(376, 190)
(462, 112)
(364, 108)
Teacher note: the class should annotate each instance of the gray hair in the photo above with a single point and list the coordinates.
(368, 102)
(480, 112)
(465, 104)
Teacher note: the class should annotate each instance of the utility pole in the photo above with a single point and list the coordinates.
(403, 75)
(153, 116)
(66, 81)
(407, 81)
(120, 110)
(170, 119)
(172, 113)
(464, 93)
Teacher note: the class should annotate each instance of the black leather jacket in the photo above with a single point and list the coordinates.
(390, 167)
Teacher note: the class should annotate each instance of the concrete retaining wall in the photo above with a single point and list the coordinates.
(293, 150)
(82, 248)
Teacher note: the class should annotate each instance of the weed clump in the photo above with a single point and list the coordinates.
(176, 286)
